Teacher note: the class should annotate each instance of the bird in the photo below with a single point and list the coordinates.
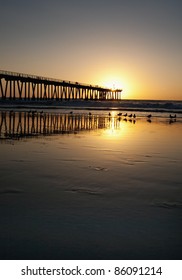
(90, 114)
(172, 116)
(149, 116)
(134, 116)
(130, 116)
(119, 114)
(41, 114)
(125, 115)
(109, 114)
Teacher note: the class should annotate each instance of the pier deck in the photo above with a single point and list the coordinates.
(32, 87)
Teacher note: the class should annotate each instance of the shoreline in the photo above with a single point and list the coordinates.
(115, 105)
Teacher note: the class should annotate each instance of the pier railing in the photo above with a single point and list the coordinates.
(15, 85)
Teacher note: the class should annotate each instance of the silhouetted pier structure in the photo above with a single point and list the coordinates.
(17, 125)
(30, 87)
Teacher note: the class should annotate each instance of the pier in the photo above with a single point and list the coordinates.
(21, 86)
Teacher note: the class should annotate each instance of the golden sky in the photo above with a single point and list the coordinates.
(133, 45)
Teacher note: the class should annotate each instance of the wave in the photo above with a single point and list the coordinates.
(152, 105)
(130, 105)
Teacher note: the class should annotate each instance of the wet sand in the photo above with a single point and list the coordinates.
(112, 191)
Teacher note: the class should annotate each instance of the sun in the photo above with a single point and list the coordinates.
(112, 84)
(114, 80)
(126, 84)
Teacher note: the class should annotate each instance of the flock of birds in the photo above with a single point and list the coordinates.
(172, 117)
(148, 116)
(130, 117)
(119, 115)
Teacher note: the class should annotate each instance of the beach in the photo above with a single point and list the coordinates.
(80, 183)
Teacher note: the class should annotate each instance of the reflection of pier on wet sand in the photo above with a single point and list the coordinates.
(15, 125)
(32, 123)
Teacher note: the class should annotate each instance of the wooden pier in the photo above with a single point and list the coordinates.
(20, 86)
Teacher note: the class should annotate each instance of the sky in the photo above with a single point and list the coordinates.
(135, 45)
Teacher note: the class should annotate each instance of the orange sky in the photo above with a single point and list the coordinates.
(133, 45)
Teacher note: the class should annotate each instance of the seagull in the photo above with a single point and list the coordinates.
(172, 116)
(119, 114)
(109, 114)
(125, 115)
(90, 114)
(149, 116)
(134, 116)
(130, 116)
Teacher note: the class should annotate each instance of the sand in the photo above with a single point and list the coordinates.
(108, 189)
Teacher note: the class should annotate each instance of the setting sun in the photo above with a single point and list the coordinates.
(112, 82)
(119, 82)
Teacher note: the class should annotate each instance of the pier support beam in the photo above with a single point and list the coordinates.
(22, 86)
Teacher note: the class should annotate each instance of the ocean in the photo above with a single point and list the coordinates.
(131, 105)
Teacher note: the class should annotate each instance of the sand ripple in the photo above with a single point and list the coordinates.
(168, 205)
(85, 191)
(98, 168)
(13, 191)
